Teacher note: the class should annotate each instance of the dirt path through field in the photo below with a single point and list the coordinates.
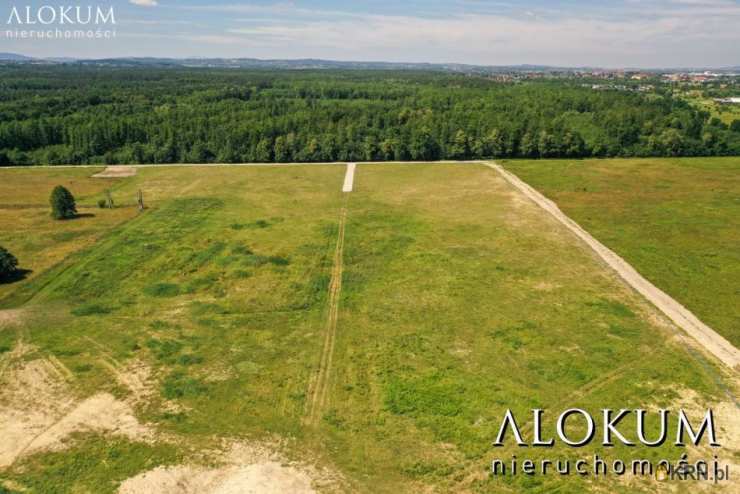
(682, 317)
(319, 391)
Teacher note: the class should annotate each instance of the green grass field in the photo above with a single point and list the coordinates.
(459, 299)
(727, 113)
(677, 221)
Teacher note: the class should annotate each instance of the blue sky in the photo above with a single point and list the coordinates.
(634, 33)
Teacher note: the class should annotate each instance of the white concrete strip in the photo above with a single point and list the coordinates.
(680, 315)
(349, 177)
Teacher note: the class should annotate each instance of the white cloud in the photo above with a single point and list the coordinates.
(144, 3)
(665, 38)
(630, 33)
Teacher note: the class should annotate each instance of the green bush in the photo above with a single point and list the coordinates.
(102, 203)
(62, 204)
(8, 263)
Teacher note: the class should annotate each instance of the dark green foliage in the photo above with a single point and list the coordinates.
(242, 250)
(165, 350)
(54, 115)
(189, 359)
(256, 224)
(423, 396)
(163, 290)
(63, 205)
(616, 308)
(179, 385)
(8, 263)
(278, 260)
(90, 310)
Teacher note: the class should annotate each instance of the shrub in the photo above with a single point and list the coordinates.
(102, 203)
(8, 263)
(62, 204)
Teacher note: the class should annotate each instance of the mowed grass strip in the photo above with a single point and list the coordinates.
(677, 221)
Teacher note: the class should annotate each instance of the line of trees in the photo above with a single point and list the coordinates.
(69, 114)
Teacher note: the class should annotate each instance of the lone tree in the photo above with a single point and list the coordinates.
(62, 204)
(8, 264)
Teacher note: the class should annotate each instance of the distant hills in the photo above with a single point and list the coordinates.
(14, 57)
(318, 64)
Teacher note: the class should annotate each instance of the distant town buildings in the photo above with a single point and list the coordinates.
(696, 78)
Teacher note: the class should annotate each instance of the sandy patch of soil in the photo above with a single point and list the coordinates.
(727, 427)
(38, 412)
(116, 172)
(135, 376)
(99, 413)
(263, 478)
(726, 417)
(245, 469)
(10, 317)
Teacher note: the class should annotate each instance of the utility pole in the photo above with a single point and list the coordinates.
(141, 201)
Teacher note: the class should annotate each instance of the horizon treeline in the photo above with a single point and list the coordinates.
(79, 115)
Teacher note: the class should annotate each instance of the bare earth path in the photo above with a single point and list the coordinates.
(682, 317)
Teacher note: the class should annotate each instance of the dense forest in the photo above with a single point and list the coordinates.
(77, 114)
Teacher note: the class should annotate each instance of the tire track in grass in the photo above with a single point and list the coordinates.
(318, 395)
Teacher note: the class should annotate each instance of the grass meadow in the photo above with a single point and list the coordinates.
(459, 299)
(677, 221)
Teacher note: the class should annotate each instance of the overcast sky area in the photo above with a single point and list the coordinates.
(623, 33)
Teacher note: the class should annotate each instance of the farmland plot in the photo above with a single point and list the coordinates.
(421, 306)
